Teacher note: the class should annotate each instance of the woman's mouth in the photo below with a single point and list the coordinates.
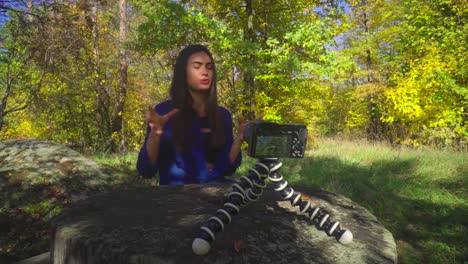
(205, 81)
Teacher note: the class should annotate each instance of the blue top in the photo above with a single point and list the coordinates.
(178, 169)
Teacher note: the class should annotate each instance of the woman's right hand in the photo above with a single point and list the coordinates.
(242, 124)
(156, 121)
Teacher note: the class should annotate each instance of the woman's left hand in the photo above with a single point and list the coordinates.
(242, 124)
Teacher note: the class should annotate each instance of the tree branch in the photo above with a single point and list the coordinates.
(15, 109)
(17, 11)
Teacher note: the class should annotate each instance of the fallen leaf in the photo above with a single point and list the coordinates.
(239, 245)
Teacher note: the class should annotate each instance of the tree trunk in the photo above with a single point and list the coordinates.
(30, 8)
(373, 129)
(103, 94)
(1, 115)
(121, 94)
(7, 93)
(249, 92)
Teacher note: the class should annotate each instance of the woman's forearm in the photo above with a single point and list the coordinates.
(152, 147)
(235, 150)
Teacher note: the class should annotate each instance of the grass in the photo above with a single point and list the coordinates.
(420, 195)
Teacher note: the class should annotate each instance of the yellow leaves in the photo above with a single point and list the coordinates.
(357, 118)
(409, 142)
(405, 100)
(426, 100)
(20, 126)
(416, 92)
(446, 118)
(359, 111)
(368, 90)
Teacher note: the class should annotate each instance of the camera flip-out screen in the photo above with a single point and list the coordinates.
(272, 140)
(273, 146)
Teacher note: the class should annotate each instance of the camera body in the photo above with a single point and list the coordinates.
(272, 140)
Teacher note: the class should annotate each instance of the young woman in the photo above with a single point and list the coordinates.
(189, 138)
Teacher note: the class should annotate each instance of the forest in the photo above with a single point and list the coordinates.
(82, 72)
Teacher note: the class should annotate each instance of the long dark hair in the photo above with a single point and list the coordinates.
(182, 99)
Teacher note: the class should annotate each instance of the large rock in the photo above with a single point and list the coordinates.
(37, 179)
(26, 163)
(158, 225)
(43, 258)
(37, 169)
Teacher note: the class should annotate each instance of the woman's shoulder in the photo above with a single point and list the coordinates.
(225, 113)
(224, 110)
(163, 107)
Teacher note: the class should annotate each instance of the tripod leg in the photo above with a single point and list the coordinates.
(247, 190)
(319, 217)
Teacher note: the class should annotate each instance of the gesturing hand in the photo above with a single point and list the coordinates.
(157, 122)
(242, 124)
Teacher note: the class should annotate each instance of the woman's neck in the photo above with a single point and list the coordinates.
(199, 103)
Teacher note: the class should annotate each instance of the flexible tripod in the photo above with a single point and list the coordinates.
(249, 189)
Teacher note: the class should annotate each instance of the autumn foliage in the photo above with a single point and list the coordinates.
(383, 70)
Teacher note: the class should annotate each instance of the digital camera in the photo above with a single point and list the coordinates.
(272, 140)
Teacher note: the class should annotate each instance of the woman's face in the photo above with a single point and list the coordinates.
(199, 71)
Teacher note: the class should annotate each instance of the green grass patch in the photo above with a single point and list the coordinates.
(420, 195)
